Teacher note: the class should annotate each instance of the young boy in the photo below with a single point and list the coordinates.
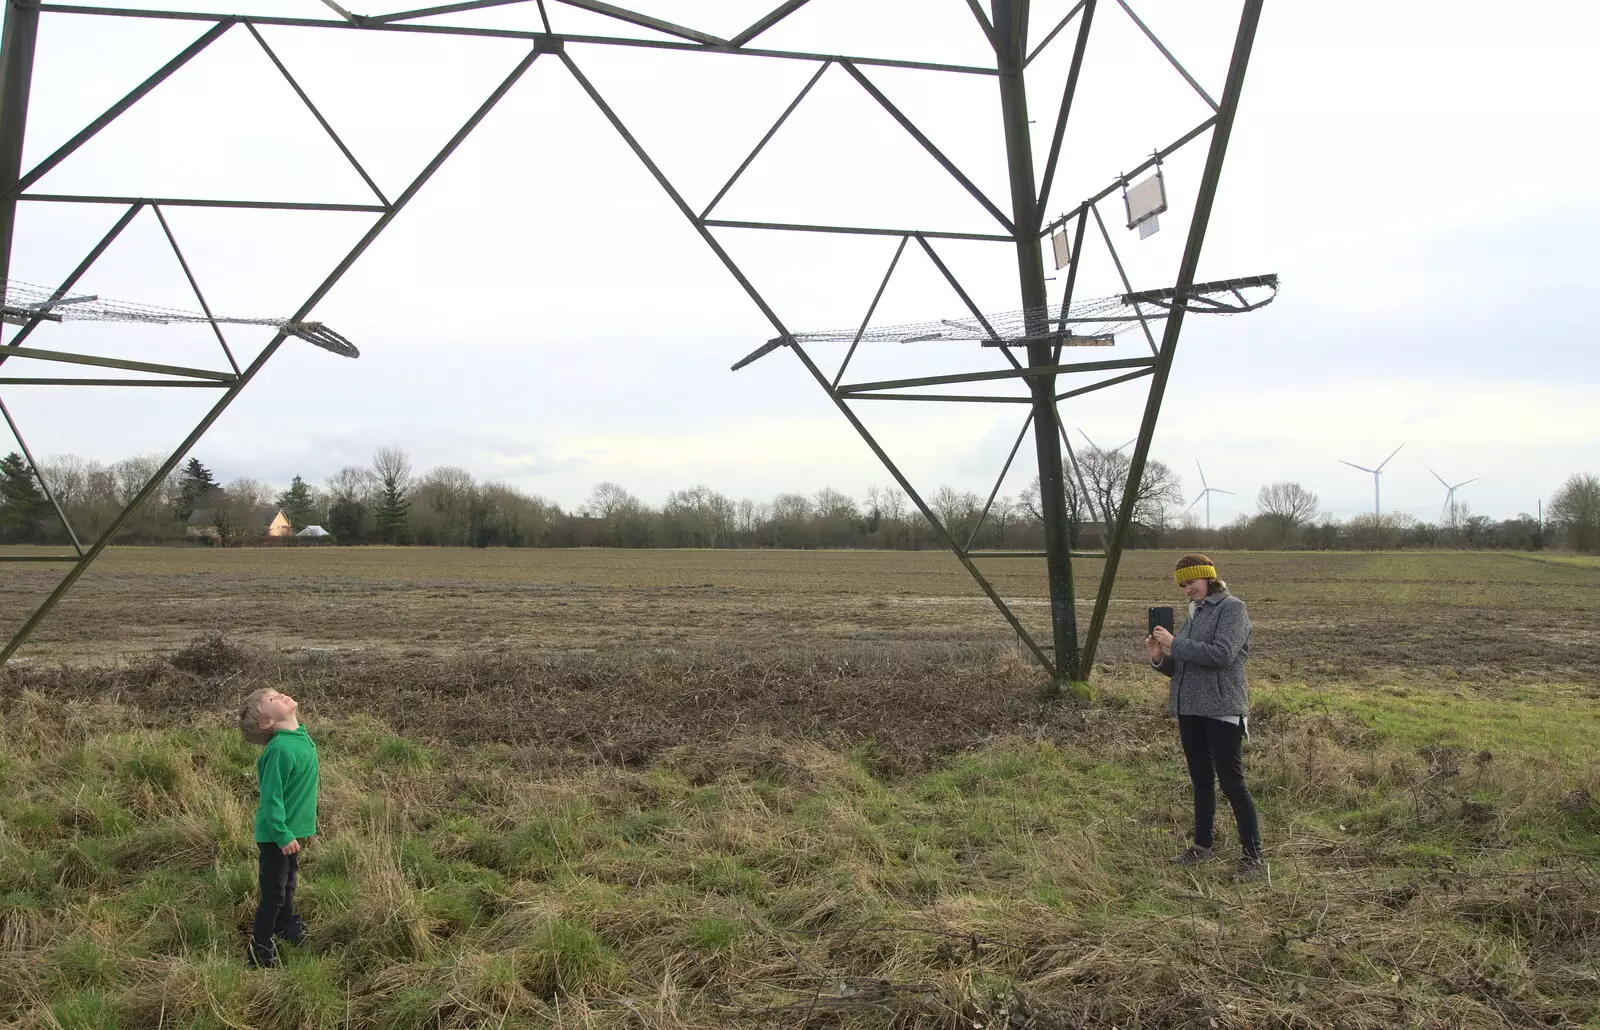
(286, 817)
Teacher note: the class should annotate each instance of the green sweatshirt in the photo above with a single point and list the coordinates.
(287, 770)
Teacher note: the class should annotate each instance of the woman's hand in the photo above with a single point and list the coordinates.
(1152, 647)
(1163, 639)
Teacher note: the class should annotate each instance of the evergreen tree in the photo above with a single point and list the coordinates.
(22, 504)
(391, 514)
(393, 471)
(195, 482)
(299, 504)
(347, 521)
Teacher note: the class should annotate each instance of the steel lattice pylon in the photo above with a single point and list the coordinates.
(1020, 222)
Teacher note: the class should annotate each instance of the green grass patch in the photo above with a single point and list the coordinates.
(401, 755)
(85, 1010)
(996, 883)
(714, 934)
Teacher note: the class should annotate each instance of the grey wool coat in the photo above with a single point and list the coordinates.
(1207, 659)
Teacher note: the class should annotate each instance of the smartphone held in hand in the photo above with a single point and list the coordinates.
(1161, 615)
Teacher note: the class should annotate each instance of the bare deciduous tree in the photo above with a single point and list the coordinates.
(353, 483)
(132, 474)
(610, 501)
(1028, 503)
(392, 466)
(503, 516)
(442, 513)
(836, 517)
(1158, 499)
(698, 517)
(894, 503)
(956, 510)
(791, 508)
(831, 504)
(1285, 507)
(884, 516)
(791, 524)
(86, 491)
(1377, 532)
(1001, 514)
(622, 516)
(236, 510)
(68, 476)
(1575, 511)
(751, 516)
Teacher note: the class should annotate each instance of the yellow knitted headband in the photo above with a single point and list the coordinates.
(1195, 572)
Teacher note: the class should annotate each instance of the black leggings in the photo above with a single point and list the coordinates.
(275, 916)
(1215, 751)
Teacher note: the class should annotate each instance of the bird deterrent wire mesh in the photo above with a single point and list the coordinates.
(1087, 323)
(27, 303)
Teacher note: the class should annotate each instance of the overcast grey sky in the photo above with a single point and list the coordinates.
(1421, 177)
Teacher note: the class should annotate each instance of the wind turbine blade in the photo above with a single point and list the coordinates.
(1203, 482)
(1440, 478)
(1194, 502)
(1128, 444)
(1389, 458)
(1458, 486)
(1086, 437)
(1353, 465)
(1216, 490)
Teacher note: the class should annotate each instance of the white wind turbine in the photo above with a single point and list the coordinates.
(1450, 495)
(1376, 510)
(1206, 493)
(1102, 450)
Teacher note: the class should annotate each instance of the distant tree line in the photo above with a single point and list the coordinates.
(387, 502)
(1286, 518)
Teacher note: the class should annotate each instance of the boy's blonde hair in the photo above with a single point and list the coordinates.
(250, 718)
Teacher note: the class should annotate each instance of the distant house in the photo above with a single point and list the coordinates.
(201, 524)
(269, 521)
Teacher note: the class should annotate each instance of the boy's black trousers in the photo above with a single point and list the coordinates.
(275, 916)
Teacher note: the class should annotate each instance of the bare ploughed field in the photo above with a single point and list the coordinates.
(616, 655)
(1478, 614)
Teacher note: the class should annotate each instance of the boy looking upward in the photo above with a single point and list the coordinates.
(287, 815)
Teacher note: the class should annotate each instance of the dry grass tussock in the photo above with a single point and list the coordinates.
(718, 839)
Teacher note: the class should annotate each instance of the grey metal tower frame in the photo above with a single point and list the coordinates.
(1005, 25)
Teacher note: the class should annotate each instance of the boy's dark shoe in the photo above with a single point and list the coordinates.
(262, 958)
(294, 932)
(1252, 868)
(1194, 854)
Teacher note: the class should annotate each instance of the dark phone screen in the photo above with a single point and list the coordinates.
(1161, 615)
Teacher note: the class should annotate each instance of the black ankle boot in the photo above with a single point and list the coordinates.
(294, 933)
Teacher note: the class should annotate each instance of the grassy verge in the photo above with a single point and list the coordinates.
(1436, 862)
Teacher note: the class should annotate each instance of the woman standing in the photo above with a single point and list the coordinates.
(1205, 661)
